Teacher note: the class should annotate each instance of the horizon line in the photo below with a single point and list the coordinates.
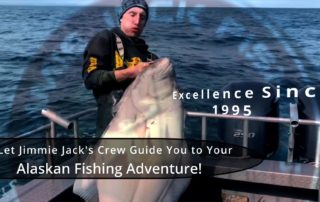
(113, 6)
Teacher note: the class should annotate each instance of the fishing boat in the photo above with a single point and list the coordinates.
(269, 181)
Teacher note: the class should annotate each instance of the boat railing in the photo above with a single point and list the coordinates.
(293, 122)
(72, 122)
(69, 122)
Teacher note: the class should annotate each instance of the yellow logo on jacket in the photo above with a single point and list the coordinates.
(118, 60)
(134, 61)
(120, 63)
(92, 65)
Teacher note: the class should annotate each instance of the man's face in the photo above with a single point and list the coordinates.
(133, 21)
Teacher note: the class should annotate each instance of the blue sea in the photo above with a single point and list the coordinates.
(41, 53)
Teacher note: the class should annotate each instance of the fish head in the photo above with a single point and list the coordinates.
(152, 90)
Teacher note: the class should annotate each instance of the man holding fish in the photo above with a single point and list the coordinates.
(113, 58)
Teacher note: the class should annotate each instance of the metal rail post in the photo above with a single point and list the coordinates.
(317, 157)
(48, 143)
(52, 130)
(245, 137)
(204, 128)
(75, 128)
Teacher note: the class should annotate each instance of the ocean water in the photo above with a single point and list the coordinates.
(41, 52)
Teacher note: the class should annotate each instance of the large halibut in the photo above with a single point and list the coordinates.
(146, 110)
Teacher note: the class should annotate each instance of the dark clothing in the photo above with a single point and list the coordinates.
(101, 59)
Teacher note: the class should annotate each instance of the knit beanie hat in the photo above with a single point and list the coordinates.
(127, 4)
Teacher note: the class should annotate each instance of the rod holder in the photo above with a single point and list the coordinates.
(294, 117)
(294, 122)
(54, 117)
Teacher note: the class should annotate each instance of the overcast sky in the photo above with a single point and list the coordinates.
(177, 3)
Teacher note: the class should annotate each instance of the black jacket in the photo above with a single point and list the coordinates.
(101, 59)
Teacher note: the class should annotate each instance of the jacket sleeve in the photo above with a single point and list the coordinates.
(96, 72)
